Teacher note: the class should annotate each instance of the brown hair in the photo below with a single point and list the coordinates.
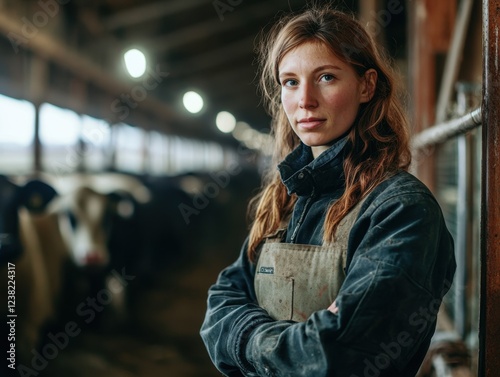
(377, 143)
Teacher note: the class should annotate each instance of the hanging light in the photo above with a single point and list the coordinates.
(225, 121)
(135, 61)
(193, 102)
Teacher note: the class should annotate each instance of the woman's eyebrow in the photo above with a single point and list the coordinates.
(327, 66)
(320, 68)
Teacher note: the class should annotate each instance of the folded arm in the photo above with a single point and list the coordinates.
(386, 307)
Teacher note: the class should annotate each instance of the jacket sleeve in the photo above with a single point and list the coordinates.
(403, 265)
(232, 312)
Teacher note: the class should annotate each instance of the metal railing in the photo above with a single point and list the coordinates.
(442, 132)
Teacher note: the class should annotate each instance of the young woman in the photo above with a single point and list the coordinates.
(348, 256)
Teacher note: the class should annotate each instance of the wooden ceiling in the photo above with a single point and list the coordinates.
(202, 45)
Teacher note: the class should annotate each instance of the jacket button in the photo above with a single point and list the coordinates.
(301, 175)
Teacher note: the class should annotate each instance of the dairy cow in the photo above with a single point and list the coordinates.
(31, 247)
(94, 210)
(86, 206)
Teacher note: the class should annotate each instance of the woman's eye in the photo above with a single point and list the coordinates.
(327, 77)
(289, 82)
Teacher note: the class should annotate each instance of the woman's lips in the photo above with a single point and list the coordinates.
(310, 123)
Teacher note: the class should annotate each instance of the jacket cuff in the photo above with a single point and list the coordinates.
(242, 334)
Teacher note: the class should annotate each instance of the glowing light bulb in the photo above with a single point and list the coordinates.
(135, 61)
(225, 122)
(193, 102)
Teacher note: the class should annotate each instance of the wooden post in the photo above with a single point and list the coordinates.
(431, 28)
(78, 102)
(146, 142)
(37, 145)
(367, 16)
(38, 78)
(489, 327)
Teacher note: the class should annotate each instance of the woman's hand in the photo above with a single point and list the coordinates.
(333, 308)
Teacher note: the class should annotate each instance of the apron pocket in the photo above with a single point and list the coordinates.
(275, 295)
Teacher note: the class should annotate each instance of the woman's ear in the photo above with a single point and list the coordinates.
(368, 85)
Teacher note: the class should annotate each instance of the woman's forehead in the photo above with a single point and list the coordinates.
(310, 54)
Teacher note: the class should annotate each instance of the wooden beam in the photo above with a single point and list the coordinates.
(213, 58)
(489, 329)
(149, 12)
(431, 26)
(213, 26)
(45, 46)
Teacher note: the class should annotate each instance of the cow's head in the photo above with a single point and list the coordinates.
(86, 218)
(35, 195)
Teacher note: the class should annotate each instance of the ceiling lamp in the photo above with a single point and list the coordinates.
(225, 122)
(135, 61)
(193, 102)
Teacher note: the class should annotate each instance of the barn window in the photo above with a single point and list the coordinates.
(96, 139)
(59, 136)
(129, 148)
(17, 126)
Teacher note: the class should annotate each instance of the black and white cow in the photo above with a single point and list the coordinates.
(32, 247)
(88, 205)
(98, 220)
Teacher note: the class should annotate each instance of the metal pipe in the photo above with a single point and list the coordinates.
(461, 237)
(441, 132)
(462, 229)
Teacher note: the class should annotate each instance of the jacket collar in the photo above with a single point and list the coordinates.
(304, 175)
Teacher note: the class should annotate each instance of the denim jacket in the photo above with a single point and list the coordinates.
(400, 264)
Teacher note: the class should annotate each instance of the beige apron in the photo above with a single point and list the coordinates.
(292, 281)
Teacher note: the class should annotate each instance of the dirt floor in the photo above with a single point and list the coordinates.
(163, 339)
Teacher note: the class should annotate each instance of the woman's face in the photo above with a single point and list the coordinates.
(321, 94)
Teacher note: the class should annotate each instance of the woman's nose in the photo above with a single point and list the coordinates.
(308, 98)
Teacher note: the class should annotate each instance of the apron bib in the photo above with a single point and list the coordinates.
(292, 281)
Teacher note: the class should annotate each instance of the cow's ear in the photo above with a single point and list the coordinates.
(121, 204)
(36, 196)
(10, 245)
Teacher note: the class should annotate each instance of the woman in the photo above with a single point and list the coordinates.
(348, 256)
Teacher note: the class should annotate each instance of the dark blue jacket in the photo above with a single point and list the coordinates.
(400, 263)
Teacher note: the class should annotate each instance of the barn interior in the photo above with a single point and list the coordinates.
(178, 151)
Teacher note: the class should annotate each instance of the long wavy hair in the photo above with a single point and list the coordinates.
(378, 141)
